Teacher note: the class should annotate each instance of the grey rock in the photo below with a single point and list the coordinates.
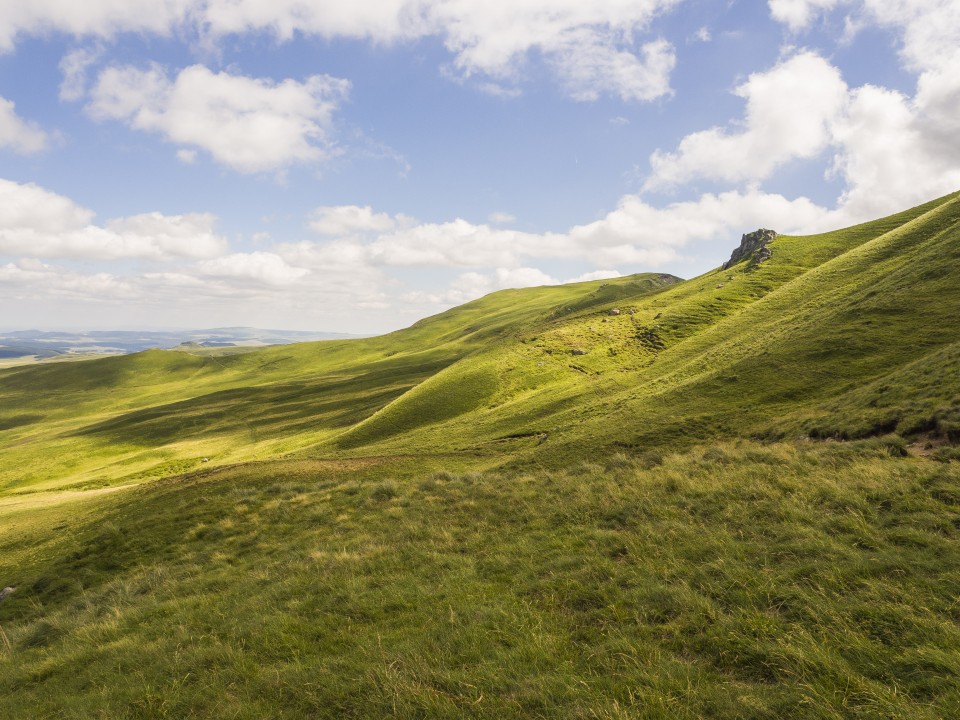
(578, 351)
(753, 246)
(615, 311)
(6, 592)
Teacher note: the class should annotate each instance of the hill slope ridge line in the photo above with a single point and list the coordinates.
(795, 295)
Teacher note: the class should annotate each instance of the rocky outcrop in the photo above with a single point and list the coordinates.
(753, 246)
(6, 592)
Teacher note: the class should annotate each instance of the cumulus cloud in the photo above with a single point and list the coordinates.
(18, 134)
(798, 14)
(788, 116)
(29, 279)
(893, 150)
(635, 233)
(340, 220)
(263, 267)
(38, 223)
(459, 243)
(248, 124)
(356, 270)
(639, 233)
(188, 236)
(98, 18)
(591, 45)
(929, 29)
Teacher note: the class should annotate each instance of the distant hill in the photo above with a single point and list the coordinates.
(52, 344)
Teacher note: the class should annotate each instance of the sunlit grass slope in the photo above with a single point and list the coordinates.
(757, 349)
(123, 419)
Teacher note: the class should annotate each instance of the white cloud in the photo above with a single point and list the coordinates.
(639, 233)
(189, 236)
(788, 116)
(74, 66)
(100, 18)
(498, 90)
(523, 277)
(461, 244)
(350, 277)
(471, 285)
(38, 223)
(501, 218)
(341, 220)
(263, 267)
(591, 45)
(893, 154)
(248, 124)
(893, 150)
(929, 29)
(587, 43)
(596, 275)
(30, 280)
(590, 64)
(31, 207)
(798, 14)
(634, 233)
(18, 134)
(703, 35)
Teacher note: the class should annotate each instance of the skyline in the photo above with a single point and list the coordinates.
(211, 163)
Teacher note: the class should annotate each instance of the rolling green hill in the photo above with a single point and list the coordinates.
(731, 496)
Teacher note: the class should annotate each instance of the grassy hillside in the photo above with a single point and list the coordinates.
(732, 353)
(121, 420)
(739, 581)
(732, 496)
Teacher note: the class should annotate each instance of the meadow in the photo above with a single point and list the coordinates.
(731, 496)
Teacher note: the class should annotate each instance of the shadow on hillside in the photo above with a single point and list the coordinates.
(271, 411)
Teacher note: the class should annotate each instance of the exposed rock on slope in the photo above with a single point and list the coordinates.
(752, 245)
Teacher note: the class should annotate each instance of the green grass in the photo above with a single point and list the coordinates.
(733, 496)
(737, 580)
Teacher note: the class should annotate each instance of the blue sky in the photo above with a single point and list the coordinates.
(354, 167)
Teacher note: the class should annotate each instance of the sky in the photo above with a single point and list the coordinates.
(353, 167)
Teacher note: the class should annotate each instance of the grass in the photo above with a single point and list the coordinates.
(735, 580)
(732, 496)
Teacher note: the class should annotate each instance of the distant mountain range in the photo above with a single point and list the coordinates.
(47, 344)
